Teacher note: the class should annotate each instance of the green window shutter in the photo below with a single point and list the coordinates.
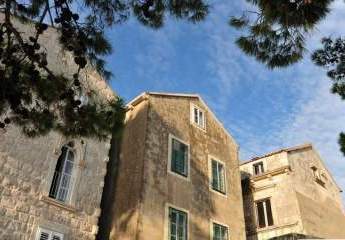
(214, 175)
(179, 157)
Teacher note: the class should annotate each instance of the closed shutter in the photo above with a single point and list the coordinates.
(43, 236)
(179, 157)
(56, 237)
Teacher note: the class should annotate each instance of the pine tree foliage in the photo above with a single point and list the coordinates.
(342, 142)
(274, 34)
(332, 57)
(38, 99)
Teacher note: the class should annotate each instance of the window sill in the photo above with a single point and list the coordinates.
(199, 127)
(57, 203)
(264, 229)
(219, 192)
(180, 176)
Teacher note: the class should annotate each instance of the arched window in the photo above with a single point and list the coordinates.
(62, 183)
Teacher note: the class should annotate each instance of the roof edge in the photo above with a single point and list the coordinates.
(143, 96)
(289, 149)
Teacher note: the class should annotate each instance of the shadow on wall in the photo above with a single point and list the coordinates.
(249, 206)
(198, 197)
(108, 195)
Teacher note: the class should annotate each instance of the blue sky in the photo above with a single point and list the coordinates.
(264, 110)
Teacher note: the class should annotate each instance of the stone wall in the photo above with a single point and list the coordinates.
(27, 167)
(128, 188)
(147, 187)
(299, 204)
(320, 205)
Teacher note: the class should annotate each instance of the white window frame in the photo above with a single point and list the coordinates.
(170, 139)
(210, 158)
(167, 220)
(72, 176)
(265, 212)
(192, 117)
(50, 233)
(212, 221)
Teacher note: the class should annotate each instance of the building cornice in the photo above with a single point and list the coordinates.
(269, 174)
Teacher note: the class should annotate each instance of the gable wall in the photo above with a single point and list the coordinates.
(172, 115)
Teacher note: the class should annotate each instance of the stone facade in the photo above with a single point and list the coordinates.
(28, 166)
(305, 200)
(146, 188)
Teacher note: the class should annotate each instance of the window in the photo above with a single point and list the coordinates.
(218, 176)
(258, 168)
(44, 234)
(318, 176)
(219, 232)
(62, 180)
(198, 117)
(177, 224)
(179, 157)
(264, 213)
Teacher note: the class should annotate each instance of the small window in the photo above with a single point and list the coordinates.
(62, 183)
(198, 117)
(258, 168)
(318, 176)
(44, 234)
(220, 232)
(177, 224)
(218, 176)
(179, 155)
(264, 213)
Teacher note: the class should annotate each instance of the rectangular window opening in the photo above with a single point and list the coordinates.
(258, 168)
(198, 117)
(264, 213)
(177, 224)
(220, 232)
(218, 176)
(179, 157)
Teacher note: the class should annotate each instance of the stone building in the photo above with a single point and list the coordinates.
(51, 186)
(178, 173)
(290, 193)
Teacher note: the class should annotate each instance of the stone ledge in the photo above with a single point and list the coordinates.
(274, 227)
(59, 204)
(269, 174)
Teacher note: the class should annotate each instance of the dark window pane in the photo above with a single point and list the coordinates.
(269, 212)
(258, 168)
(215, 183)
(261, 214)
(196, 119)
(179, 157)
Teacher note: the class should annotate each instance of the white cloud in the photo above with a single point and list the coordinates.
(317, 116)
